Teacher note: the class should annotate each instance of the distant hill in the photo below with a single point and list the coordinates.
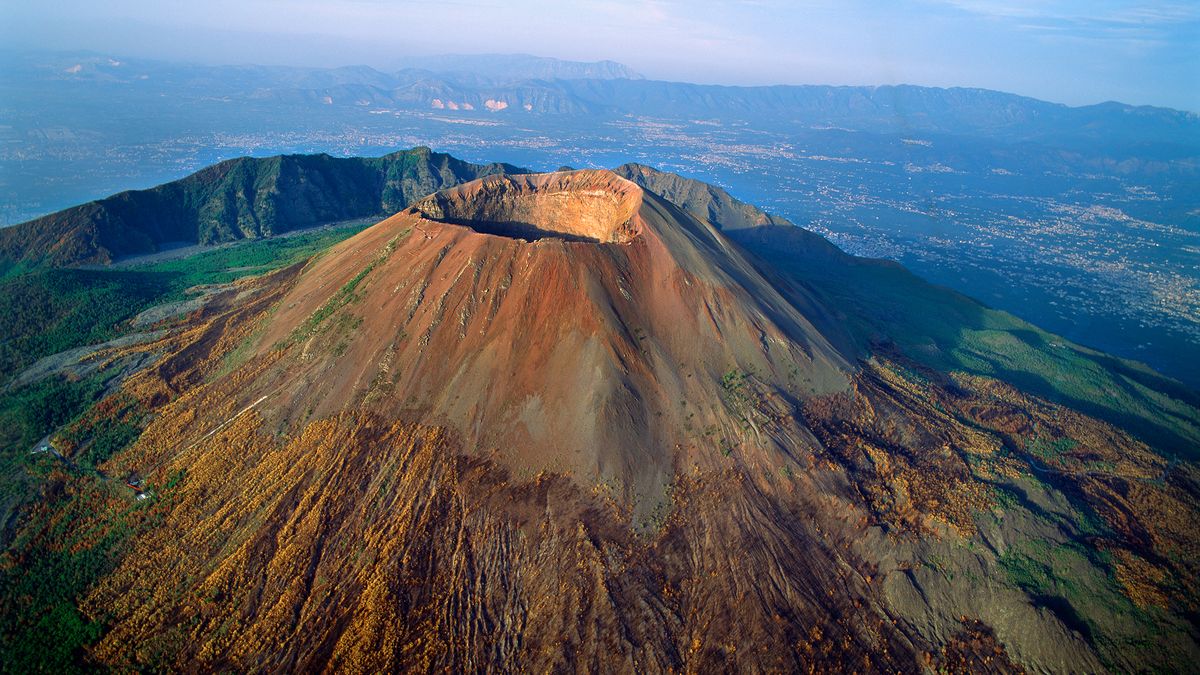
(900, 108)
(973, 112)
(522, 84)
(242, 198)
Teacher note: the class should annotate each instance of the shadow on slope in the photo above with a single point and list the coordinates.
(881, 302)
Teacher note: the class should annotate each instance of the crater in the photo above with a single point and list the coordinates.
(581, 206)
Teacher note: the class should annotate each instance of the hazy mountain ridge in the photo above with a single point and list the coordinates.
(520, 84)
(909, 108)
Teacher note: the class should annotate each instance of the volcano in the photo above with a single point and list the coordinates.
(549, 422)
(569, 321)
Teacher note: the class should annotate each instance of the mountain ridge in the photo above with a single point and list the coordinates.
(510, 67)
(874, 108)
(239, 198)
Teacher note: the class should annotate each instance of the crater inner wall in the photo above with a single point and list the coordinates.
(589, 206)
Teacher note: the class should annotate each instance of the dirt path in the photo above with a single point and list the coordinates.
(224, 424)
(210, 434)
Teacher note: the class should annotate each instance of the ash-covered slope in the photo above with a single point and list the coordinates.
(554, 422)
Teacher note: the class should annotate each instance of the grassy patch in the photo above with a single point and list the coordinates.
(1079, 586)
(238, 355)
(258, 256)
(345, 295)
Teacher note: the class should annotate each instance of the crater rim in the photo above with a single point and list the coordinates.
(585, 206)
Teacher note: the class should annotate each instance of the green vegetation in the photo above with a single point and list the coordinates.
(1004, 497)
(1079, 586)
(72, 408)
(238, 355)
(69, 537)
(51, 310)
(259, 256)
(734, 385)
(346, 295)
(63, 546)
(110, 427)
(736, 392)
(29, 413)
(1049, 449)
(343, 297)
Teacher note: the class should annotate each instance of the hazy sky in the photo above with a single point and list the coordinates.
(1076, 51)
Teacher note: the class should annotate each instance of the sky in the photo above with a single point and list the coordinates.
(1069, 51)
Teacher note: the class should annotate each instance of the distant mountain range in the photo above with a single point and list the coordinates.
(521, 84)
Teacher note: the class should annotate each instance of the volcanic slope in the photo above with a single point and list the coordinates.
(554, 422)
